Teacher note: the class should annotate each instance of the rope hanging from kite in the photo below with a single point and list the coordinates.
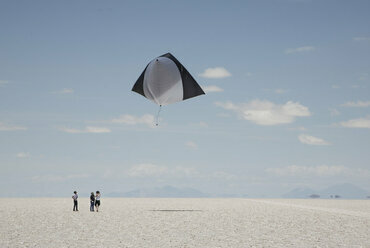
(159, 110)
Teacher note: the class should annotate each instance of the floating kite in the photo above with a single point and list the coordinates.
(165, 80)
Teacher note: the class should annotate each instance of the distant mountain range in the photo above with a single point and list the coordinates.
(346, 190)
(165, 192)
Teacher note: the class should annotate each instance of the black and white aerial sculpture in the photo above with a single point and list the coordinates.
(165, 80)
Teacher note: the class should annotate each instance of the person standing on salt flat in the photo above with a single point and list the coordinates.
(75, 202)
(97, 201)
(92, 202)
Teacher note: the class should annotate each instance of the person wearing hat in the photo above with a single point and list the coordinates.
(75, 202)
(92, 202)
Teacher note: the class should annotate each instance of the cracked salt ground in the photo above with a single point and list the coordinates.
(50, 222)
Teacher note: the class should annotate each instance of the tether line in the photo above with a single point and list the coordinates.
(159, 110)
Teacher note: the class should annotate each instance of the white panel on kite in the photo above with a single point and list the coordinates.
(162, 82)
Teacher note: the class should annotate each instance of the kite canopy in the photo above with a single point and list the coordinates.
(165, 80)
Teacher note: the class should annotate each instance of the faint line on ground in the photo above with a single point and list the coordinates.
(176, 210)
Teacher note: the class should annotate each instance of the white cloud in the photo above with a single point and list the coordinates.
(280, 91)
(361, 38)
(297, 170)
(334, 112)
(267, 113)
(216, 72)
(3, 83)
(300, 49)
(335, 86)
(4, 127)
(310, 140)
(97, 130)
(147, 119)
(357, 123)
(191, 144)
(357, 104)
(75, 176)
(86, 130)
(23, 155)
(363, 76)
(211, 88)
(181, 171)
(147, 170)
(203, 124)
(64, 91)
(320, 171)
(67, 91)
(223, 175)
(70, 130)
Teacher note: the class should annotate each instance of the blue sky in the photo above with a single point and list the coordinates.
(287, 103)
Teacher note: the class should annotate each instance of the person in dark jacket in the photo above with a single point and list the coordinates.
(92, 202)
(75, 202)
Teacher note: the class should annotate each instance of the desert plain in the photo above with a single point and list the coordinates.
(169, 222)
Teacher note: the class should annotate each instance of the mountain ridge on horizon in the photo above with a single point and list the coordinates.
(345, 190)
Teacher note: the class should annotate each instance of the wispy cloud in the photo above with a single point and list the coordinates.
(280, 91)
(23, 155)
(152, 170)
(267, 113)
(64, 91)
(203, 124)
(216, 72)
(311, 140)
(191, 145)
(361, 38)
(320, 171)
(223, 175)
(299, 49)
(357, 123)
(147, 170)
(86, 130)
(363, 76)
(58, 178)
(360, 104)
(146, 119)
(211, 88)
(5, 127)
(3, 83)
(298, 128)
(334, 112)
